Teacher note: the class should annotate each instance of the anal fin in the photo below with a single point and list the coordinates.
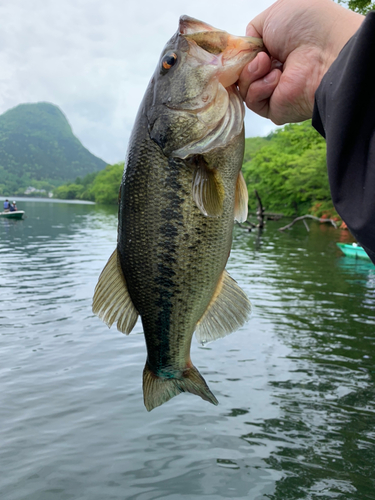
(228, 310)
(111, 301)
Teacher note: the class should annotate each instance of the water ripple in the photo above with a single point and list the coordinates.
(295, 385)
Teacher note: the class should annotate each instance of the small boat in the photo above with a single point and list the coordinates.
(353, 250)
(17, 214)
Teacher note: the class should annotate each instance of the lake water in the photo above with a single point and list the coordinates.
(296, 385)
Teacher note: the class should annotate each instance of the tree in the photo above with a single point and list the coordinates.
(68, 192)
(106, 185)
(289, 171)
(360, 6)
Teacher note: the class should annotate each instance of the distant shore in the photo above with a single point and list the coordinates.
(44, 200)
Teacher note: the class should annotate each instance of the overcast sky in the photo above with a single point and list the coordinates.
(94, 58)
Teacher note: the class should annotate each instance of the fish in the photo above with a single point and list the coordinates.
(181, 191)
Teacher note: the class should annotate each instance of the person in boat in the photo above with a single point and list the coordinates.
(317, 66)
(6, 206)
(13, 207)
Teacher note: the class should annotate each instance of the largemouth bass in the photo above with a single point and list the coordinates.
(181, 191)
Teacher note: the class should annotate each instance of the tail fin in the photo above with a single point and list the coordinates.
(158, 390)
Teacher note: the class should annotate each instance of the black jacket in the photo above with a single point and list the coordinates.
(344, 113)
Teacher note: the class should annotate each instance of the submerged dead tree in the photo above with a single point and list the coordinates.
(260, 211)
(261, 215)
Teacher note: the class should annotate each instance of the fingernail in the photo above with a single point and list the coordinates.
(270, 78)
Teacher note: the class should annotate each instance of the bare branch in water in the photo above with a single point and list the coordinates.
(303, 217)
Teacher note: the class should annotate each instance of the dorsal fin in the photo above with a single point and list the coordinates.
(228, 310)
(112, 302)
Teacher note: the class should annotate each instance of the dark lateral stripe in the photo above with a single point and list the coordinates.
(165, 285)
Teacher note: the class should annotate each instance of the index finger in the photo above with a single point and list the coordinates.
(255, 27)
(255, 70)
(252, 31)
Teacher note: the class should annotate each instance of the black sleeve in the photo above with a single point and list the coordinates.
(344, 113)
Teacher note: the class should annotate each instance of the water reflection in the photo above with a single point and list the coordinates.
(325, 438)
(295, 385)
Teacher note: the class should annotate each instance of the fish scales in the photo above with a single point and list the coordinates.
(176, 216)
(165, 236)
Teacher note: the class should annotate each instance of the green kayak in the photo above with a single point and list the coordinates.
(353, 250)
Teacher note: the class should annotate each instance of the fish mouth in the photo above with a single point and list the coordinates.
(229, 53)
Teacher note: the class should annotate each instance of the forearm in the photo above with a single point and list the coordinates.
(344, 114)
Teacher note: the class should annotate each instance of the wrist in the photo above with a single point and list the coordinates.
(345, 23)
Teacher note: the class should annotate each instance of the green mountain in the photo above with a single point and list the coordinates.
(39, 149)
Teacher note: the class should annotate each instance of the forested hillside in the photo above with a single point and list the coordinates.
(287, 168)
(101, 187)
(289, 171)
(38, 148)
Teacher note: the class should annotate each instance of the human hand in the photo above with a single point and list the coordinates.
(303, 38)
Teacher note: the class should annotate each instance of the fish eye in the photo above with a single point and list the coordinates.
(169, 60)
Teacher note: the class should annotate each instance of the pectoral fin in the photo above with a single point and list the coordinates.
(112, 302)
(241, 199)
(208, 190)
(228, 310)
